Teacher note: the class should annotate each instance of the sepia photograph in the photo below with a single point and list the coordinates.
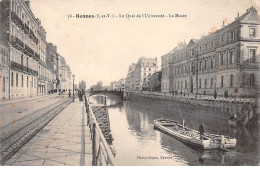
(129, 82)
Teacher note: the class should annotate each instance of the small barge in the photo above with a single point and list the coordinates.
(193, 137)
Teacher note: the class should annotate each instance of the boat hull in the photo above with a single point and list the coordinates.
(192, 137)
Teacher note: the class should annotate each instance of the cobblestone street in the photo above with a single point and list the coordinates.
(64, 141)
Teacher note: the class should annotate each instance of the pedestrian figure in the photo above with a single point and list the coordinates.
(201, 130)
(69, 93)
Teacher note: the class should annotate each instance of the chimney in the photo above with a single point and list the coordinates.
(237, 15)
(55, 48)
(223, 24)
(28, 3)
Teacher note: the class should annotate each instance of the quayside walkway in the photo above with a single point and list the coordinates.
(65, 141)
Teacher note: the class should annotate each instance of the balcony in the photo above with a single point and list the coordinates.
(37, 56)
(17, 20)
(17, 43)
(28, 51)
(34, 72)
(16, 66)
(29, 71)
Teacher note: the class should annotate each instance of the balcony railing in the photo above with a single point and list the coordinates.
(28, 51)
(16, 66)
(17, 43)
(36, 56)
(17, 20)
(34, 72)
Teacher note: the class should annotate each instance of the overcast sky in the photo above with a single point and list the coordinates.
(102, 49)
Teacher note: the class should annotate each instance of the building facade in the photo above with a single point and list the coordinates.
(24, 39)
(52, 63)
(130, 77)
(19, 32)
(225, 62)
(65, 75)
(138, 73)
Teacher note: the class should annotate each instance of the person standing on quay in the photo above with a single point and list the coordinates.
(201, 130)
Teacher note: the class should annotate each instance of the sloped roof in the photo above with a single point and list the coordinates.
(63, 62)
(250, 15)
(180, 46)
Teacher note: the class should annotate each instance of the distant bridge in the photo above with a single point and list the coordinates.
(105, 92)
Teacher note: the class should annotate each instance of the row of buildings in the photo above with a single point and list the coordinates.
(138, 73)
(225, 62)
(30, 65)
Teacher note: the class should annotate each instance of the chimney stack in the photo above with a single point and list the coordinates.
(28, 3)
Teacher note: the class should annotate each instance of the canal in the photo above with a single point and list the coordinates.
(137, 143)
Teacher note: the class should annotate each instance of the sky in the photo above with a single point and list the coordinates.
(101, 49)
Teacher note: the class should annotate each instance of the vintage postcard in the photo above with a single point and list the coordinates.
(129, 82)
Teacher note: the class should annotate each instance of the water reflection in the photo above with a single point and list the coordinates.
(137, 143)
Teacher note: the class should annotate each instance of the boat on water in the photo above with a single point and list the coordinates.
(193, 137)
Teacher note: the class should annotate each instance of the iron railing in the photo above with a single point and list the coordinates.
(101, 152)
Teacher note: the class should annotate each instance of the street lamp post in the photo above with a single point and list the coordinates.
(73, 76)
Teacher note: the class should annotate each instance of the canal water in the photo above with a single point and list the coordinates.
(136, 142)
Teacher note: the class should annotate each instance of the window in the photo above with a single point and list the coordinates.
(144, 69)
(205, 83)
(212, 45)
(149, 69)
(185, 84)
(181, 84)
(27, 81)
(22, 81)
(232, 34)
(211, 82)
(252, 32)
(222, 58)
(223, 38)
(3, 84)
(252, 80)
(206, 46)
(231, 57)
(17, 78)
(200, 65)
(178, 85)
(32, 82)
(222, 81)
(205, 64)
(231, 80)
(200, 83)
(12, 79)
(22, 59)
(144, 79)
(211, 63)
(252, 55)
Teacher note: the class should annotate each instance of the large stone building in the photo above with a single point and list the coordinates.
(225, 62)
(138, 73)
(52, 63)
(24, 39)
(19, 32)
(130, 77)
(65, 75)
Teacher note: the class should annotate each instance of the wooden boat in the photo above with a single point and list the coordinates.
(192, 137)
